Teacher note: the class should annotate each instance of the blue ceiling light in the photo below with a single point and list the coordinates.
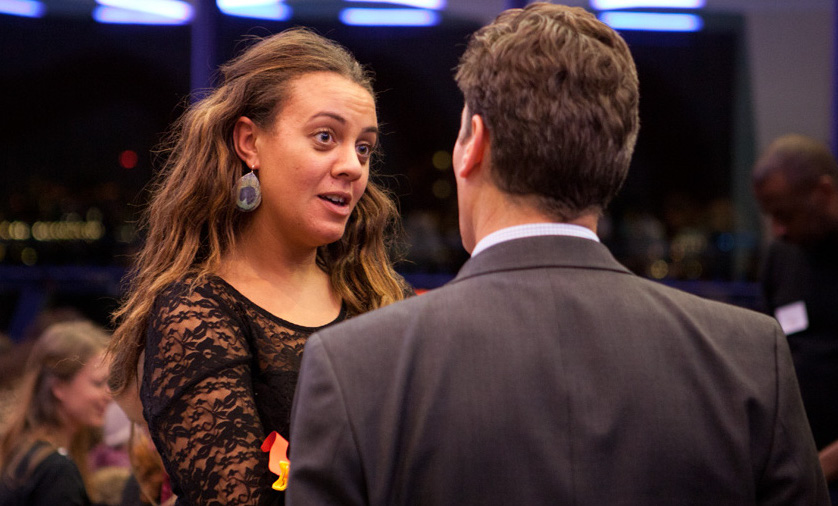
(603, 5)
(25, 8)
(419, 4)
(115, 15)
(652, 21)
(164, 12)
(389, 17)
(263, 9)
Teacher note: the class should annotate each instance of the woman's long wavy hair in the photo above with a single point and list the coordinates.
(192, 221)
(57, 356)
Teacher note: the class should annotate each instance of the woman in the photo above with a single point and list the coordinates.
(63, 395)
(262, 228)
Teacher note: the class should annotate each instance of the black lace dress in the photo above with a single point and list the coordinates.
(220, 374)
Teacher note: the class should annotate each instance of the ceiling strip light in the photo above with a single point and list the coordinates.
(116, 15)
(262, 9)
(25, 8)
(174, 9)
(652, 21)
(233, 4)
(389, 17)
(639, 4)
(419, 4)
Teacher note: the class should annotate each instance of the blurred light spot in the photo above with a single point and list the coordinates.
(441, 160)
(634, 4)
(389, 17)
(93, 230)
(725, 242)
(128, 159)
(173, 9)
(94, 214)
(420, 4)
(126, 234)
(652, 21)
(71, 230)
(40, 231)
(113, 15)
(29, 256)
(659, 269)
(693, 269)
(262, 9)
(441, 189)
(18, 231)
(25, 8)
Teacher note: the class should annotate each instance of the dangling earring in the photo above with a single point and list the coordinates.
(248, 192)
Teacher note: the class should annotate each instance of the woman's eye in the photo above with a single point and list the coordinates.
(364, 150)
(323, 137)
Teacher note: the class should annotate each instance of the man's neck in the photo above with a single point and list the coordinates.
(500, 211)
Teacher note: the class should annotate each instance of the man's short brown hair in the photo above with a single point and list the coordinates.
(558, 92)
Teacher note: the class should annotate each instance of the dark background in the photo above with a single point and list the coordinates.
(75, 94)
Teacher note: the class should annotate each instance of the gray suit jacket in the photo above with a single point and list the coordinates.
(546, 373)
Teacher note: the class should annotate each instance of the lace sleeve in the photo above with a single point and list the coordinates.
(198, 401)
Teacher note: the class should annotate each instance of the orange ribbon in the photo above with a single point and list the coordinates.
(278, 461)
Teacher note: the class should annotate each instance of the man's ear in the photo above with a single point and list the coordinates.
(244, 138)
(474, 147)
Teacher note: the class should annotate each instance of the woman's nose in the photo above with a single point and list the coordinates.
(349, 165)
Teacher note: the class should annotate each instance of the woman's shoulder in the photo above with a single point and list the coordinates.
(189, 304)
(193, 291)
(47, 476)
(192, 283)
(57, 463)
(59, 481)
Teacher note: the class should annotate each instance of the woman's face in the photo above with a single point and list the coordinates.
(314, 161)
(83, 398)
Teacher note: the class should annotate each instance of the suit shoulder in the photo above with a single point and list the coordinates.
(389, 323)
(386, 316)
(712, 309)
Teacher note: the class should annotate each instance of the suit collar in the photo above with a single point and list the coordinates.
(541, 252)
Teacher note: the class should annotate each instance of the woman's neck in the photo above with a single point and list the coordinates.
(252, 259)
(60, 437)
(287, 283)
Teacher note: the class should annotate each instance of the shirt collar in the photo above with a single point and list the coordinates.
(533, 230)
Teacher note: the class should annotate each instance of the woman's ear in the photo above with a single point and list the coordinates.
(58, 388)
(244, 138)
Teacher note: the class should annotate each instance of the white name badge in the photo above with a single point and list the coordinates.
(792, 317)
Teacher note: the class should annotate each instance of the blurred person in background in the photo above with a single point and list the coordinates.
(796, 184)
(11, 374)
(109, 460)
(149, 484)
(61, 400)
(112, 450)
(14, 353)
(262, 228)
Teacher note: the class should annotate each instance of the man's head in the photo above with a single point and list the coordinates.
(796, 184)
(557, 92)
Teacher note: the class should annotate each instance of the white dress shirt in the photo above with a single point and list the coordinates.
(532, 230)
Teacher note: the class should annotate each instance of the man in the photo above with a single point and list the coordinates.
(546, 373)
(796, 184)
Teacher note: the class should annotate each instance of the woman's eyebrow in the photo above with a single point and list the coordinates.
(340, 119)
